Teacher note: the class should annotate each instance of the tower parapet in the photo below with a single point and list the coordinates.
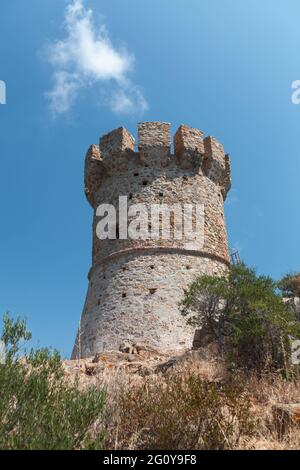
(191, 152)
(135, 284)
(116, 142)
(154, 142)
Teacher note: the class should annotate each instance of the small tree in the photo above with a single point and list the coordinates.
(39, 408)
(245, 316)
(290, 285)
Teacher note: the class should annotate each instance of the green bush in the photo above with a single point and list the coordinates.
(38, 408)
(182, 412)
(290, 285)
(244, 314)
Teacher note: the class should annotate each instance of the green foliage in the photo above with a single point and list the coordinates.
(245, 316)
(13, 333)
(182, 412)
(290, 285)
(39, 409)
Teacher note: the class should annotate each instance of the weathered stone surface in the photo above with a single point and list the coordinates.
(189, 147)
(217, 164)
(154, 134)
(116, 142)
(135, 285)
(114, 365)
(93, 172)
(154, 143)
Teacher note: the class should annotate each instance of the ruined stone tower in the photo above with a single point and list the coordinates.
(135, 285)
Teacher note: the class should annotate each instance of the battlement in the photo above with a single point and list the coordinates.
(116, 142)
(188, 147)
(154, 142)
(93, 172)
(192, 151)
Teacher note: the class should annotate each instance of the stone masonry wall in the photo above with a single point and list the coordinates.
(135, 285)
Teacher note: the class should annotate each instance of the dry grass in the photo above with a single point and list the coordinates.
(265, 392)
(172, 404)
(180, 412)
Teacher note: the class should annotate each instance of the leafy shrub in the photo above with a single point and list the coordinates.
(182, 413)
(244, 314)
(38, 408)
(290, 285)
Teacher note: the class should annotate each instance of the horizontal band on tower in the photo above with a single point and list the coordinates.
(158, 251)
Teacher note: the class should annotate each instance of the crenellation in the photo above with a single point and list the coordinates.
(214, 160)
(226, 183)
(93, 172)
(188, 147)
(154, 134)
(154, 142)
(117, 149)
(188, 139)
(116, 142)
(204, 156)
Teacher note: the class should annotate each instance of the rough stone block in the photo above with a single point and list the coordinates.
(116, 142)
(154, 143)
(188, 147)
(154, 134)
(188, 139)
(93, 172)
(214, 160)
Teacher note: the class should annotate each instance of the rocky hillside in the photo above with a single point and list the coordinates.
(274, 402)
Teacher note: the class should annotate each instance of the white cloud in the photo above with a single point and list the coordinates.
(66, 86)
(86, 57)
(123, 102)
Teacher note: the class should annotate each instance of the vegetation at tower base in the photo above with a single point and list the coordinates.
(244, 315)
(38, 408)
(189, 402)
(233, 397)
(183, 412)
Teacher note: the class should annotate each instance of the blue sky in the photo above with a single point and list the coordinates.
(224, 66)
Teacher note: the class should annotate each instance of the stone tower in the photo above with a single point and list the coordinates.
(135, 284)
